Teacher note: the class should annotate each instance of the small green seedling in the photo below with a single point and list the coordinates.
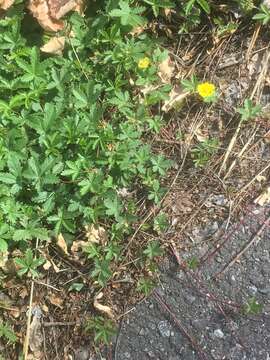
(153, 250)
(161, 223)
(145, 286)
(249, 111)
(193, 263)
(76, 287)
(7, 333)
(29, 264)
(103, 329)
(252, 307)
(190, 85)
(202, 153)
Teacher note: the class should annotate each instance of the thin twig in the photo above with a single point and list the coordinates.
(27, 336)
(58, 323)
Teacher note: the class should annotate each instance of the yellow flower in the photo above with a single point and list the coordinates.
(144, 63)
(206, 89)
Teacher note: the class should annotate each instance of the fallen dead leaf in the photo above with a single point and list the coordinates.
(166, 70)
(137, 30)
(23, 292)
(47, 265)
(56, 300)
(176, 98)
(54, 46)
(49, 12)
(5, 4)
(41, 11)
(35, 337)
(61, 242)
(96, 235)
(264, 198)
(15, 312)
(103, 308)
(200, 136)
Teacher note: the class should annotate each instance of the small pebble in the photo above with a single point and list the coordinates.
(164, 328)
(219, 334)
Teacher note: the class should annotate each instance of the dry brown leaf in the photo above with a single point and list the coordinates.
(15, 312)
(96, 235)
(54, 46)
(47, 265)
(201, 137)
(176, 98)
(56, 300)
(35, 337)
(40, 10)
(5, 4)
(49, 12)
(264, 198)
(103, 308)
(137, 30)
(24, 292)
(78, 245)
(61, 242)
(166, 70)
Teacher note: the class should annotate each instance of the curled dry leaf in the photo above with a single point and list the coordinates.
(166, 70)
(41, 11)
(264, 198)
(35, 337)
(49, 12)
(96, 234)
(56, 300)
(54, 46)
(5, 4)
(201, 137)
(61, 242)
(47, 265)
(176, 98)
(78, 245)
(103, 308)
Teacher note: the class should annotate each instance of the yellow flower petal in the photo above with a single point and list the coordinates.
(144, 63)
(206, 89)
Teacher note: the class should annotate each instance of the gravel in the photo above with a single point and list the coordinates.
(219, 330)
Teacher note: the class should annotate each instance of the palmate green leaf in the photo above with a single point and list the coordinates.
(7, 333)
(7, 178)
(129, 15)
(114, 206)
(153, 250)
(30, 233)
(3, 245)
(4, 236)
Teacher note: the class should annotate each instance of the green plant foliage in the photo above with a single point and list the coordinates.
(249, 110)
(71, 132)
(29, 264)
(103, 329)
(161, 223)
(202, 152)
(252, 307)
(153, 250)
(263, 15)
(7, 333)
(145, 286)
